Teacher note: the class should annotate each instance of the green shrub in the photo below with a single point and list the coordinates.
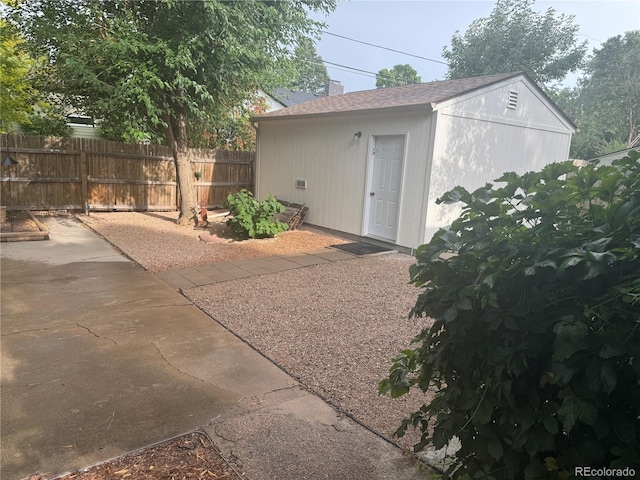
(253, 219)
(534, 354)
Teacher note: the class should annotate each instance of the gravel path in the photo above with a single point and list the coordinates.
(155, 241)
(334, 326)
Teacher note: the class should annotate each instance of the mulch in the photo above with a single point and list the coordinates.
(191, 456)
(18, 221)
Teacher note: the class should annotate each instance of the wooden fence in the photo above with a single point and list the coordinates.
(70, 173)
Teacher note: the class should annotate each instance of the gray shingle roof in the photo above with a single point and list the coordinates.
(406, 96)
(289, 97)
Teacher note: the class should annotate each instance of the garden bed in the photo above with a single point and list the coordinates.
(21, 225)
(190, 456)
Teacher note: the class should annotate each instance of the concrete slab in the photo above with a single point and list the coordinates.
(194, 276)
(174, 280)
(67, 237)
(304, 438)
(99, 358)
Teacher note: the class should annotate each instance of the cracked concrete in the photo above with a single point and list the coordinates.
(304, 438)
(96, 335)
(99, 358)
(174, 367)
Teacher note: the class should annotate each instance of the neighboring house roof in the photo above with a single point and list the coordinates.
(289, 97)
(422, 94)
(607, 158)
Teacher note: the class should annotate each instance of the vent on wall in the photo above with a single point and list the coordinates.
(301, 184)
(513, 100)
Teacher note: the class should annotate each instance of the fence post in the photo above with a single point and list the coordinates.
(83, 176)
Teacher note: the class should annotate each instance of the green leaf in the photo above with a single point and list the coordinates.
(551, 424)
(495, 449)
(458, 194)
(575, 408)
(601, 376)
(612, 348)
(483, 412)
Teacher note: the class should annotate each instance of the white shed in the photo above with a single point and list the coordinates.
(373, 163)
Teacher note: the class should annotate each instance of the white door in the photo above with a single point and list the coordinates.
(386, 182)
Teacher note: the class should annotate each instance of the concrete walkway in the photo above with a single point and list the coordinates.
(184, 278)
(99, 358)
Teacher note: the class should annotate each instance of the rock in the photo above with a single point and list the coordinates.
(211, 238)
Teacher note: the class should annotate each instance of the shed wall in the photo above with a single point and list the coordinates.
(478, 139)
(531, 109)
(323, 152)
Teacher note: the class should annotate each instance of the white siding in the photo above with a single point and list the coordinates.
(84, 131)
(478, 139)
(323, 152)
(491, 104)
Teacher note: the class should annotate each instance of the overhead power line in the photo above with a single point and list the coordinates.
(385, 48)
(358, 71)
(349, 68)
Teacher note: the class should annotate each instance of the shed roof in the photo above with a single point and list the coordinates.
(421, 94)
(405, 96)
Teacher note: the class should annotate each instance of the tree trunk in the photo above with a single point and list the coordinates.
(177, 140)
(632, 131)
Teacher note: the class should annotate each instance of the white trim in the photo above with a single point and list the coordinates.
(427, 179)
(364, 231)
(366, 211)
(504, 121)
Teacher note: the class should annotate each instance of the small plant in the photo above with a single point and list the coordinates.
(534, 354)
(251, 218)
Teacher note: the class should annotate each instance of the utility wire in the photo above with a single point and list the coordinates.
(411, 54)
(385, 48)
(366, 73)
(349, 68)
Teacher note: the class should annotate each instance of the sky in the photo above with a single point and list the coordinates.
(425, 27)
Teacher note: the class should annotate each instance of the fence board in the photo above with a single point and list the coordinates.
(71, 173)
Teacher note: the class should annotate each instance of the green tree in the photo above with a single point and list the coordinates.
(233, 132)
(399, 75)
(22, 105)
(533, 358)
(145, 69)
(606, 103)
(17, 94)
(516, 38)
(309, 73)
(47, 121)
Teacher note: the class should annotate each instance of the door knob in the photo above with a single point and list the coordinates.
(372, 194)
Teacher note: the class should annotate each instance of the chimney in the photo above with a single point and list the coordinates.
(333, 87)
